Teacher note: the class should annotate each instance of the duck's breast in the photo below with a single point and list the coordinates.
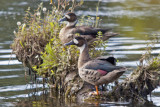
(65, 35)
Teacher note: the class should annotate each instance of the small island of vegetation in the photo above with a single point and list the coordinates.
(39, 48)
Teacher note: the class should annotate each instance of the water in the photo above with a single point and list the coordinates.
(133, 19)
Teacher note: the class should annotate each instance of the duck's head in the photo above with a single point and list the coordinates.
(71, 18)
(78, 41)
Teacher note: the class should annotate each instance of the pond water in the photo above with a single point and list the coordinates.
(133, 19)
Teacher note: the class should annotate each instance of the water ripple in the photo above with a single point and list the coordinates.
(8, 56)
(8, 70)
(11, 62)
(38, 93)
(5, 50)
(134, 52)
(10, 76)
(128, 63)
(137, 46)
(20, 3)
(108, 1)
(20, 87)
(8, 13)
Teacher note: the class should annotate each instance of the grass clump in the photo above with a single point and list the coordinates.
(34, 34)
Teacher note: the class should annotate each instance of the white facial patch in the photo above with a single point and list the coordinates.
(82, 48)
(75, 41)
(72, 23)
(67, 16)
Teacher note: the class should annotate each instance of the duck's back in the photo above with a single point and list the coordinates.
(89, 33)
(86, 30)
(98, 64)
(99, 72)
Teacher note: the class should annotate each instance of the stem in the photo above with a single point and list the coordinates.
(97, 13)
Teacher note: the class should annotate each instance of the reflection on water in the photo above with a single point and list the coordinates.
(133, 19)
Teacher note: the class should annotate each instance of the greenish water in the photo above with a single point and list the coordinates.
(133, 19)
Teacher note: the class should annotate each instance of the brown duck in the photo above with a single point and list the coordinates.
(95, 71)
(89, 33)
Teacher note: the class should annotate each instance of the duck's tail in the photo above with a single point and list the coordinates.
(104, 37)
(102, 30)
(108, 35)
(111, 76)
(121, 71)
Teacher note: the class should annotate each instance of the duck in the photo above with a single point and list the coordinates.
(68, 32)
(96, 71)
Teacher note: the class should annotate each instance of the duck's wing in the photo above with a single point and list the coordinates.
(101, 65)
(86, 30)
(111, 60)
(104, 37)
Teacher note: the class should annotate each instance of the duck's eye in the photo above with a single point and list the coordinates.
(67, 16)
(75, 41)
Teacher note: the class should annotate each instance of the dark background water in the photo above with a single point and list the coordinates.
(133, 19)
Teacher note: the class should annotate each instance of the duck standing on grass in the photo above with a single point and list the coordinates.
(89, 33)
(95, 71)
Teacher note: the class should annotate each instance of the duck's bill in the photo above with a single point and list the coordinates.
(62, 20)
(69, 43)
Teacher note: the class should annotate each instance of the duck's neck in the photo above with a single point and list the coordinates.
(84, 55)
(72, 24)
